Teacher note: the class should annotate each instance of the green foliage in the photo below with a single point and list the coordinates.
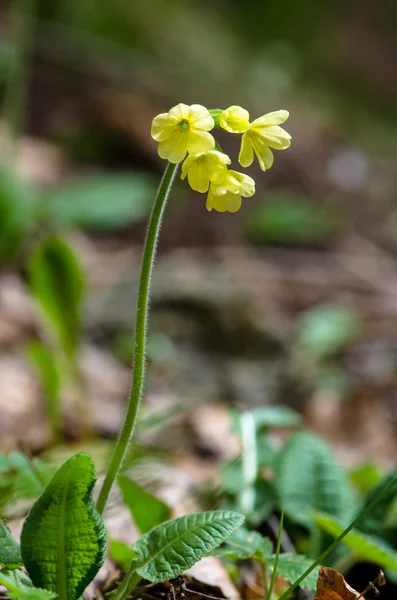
(102, 201)
(366, 547)
(176, 545)
(120, 553)
(57, 282)
(48, 369)
(21, 478)
(377, 519)
(292, 566)
(269, 417)
(63, 538)
(287, 218)
(20, 591)
(365, 476)
(244, 544)
(309, 477)
(326, 329)
(10, 553)
(146, 510)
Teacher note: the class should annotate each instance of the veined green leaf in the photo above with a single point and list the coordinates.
(56, 280)
(243, 544)
(176, 545)
(120, 553)
(309, 477)
(367, 547)
(10, 553)
(377, 518)
(20, 591)
(292, 566)
(63, 538)
(146, 510)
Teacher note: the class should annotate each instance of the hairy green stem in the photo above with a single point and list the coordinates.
(139, 354)
(250, 462)
(127, 585)
(15, 92)
(344, 533)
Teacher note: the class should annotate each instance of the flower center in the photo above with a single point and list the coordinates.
(184, 124)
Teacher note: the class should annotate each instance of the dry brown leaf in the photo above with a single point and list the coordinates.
(331, 585)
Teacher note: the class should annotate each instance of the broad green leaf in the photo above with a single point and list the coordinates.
(309, 477)
(10, 553)
(63, 538)
(243, 544)
(120, 553)
(292, 566)
(378, 516)
(56, 281)
(167, 550)
(364, 477)
(367, 547)
(287, 218)
(20, 591)
(103, 201)
(48, 370)
(326, 329)
(146, 510)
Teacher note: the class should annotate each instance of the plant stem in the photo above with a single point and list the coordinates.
(139, 358)
(344, 533)
(127, 585)
(275, 565)
(250, 462)
(15, 92)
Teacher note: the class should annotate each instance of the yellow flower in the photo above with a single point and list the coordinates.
(183, 129)
(225, 194)
(234, 119)
(203, 168)
(264, 133)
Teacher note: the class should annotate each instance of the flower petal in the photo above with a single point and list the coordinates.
(200, 118)
(179, 112)
(263, 153)
(273, 118)
(198, 177)
(187, 163)
(234, 119)
(275, 137)
(246, 183)
(246, 156)
(174, 148)
(162, 127)
(232, 202)
(199, 142)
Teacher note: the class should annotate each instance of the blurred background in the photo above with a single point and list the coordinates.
(292, 301)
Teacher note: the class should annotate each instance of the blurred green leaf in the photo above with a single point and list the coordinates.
(367, 547)
(292, 566)
(265, 500)
(243, 544)
(46, 365)
(365, 476)
(10, 553)
(56, 281)
(268, 417)
(120, 553)
(21, 591)
(103, 201)
(146, 510)
(287, 218)
(326, 329)
(309, 477)
(378, 518)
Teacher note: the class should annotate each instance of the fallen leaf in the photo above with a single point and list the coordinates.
(331, 585)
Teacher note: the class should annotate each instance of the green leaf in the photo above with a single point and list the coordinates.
(364, 477)
(48, 370)
(103, 201)
(292, 566)
(146, 510)
(367, 547)
(274, 417)
(377, 518)
(176, 545)
(20, 591)
(63, 538)
(243, 544)
(287, 218)
(10, 553)
(120, 553)
(326, 329)
(309, 477)
(57, 282)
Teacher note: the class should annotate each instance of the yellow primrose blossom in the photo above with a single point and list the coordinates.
(264, 133)
(183, 129)
(201, 169)
(234, 119)
(225, 194)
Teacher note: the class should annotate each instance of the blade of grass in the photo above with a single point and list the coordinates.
(324, 555)
(275, 566)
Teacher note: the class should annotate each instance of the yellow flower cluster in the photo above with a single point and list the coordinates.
(185, 130)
